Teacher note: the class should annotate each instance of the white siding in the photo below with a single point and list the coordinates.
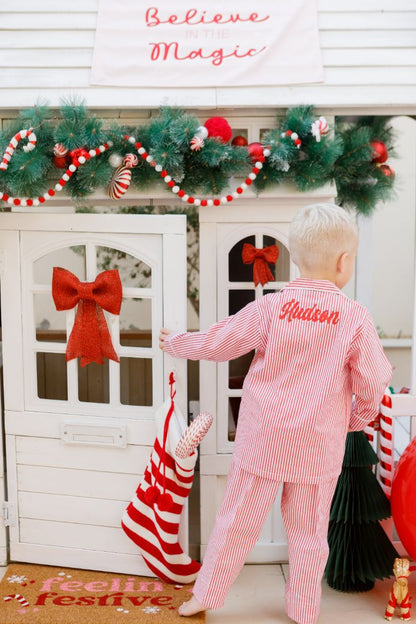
(368, 46)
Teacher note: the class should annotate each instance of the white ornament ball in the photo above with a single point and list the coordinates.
(115, 160)
(202, 132)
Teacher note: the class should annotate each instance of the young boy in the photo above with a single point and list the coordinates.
(315, 348)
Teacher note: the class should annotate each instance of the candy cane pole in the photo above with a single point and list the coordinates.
(17, 597)
(23, 134)
(385, 469)
(369, 433)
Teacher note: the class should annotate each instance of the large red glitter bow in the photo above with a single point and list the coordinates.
(261, 258)
(90, 339)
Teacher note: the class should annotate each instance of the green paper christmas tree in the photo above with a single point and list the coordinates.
(359, 549)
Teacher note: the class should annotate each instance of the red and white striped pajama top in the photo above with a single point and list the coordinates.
(315, 347)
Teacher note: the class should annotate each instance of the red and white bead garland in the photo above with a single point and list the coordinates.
(16, 201)
(175, 188)
(81, 160)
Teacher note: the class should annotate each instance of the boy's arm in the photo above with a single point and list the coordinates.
(225, 340)
(370, 374)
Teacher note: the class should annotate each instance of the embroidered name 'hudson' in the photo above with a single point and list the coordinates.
(293, 310)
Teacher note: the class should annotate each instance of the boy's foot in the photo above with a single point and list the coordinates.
(191, 607)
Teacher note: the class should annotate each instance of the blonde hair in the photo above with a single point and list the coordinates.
(320, 233)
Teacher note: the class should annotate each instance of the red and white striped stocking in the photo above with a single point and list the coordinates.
(152, 518)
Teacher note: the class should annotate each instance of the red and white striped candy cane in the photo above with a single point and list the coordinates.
(23, 134)
(385, 468)
(369, 432)
(17, 597)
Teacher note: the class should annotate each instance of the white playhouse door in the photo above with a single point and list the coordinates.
(78, 439)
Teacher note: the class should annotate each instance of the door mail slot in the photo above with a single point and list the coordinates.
(94, 435)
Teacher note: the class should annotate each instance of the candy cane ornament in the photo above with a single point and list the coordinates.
(17, 597)
(385, 469)
(17, 201)
(30, 145)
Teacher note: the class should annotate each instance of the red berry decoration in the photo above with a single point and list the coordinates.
(219, 128)
(387, 170)
(380, 153)
(256, 151)
(239, 141)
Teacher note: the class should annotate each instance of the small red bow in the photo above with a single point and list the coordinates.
(261, 258)
(90, 339)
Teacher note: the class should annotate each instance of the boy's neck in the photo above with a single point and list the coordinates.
(319, 275)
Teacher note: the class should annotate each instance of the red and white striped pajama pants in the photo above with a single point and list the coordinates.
(247, 501)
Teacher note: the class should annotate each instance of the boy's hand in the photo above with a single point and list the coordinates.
(164, 333)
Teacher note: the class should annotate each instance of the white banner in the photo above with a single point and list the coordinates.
(206, 43)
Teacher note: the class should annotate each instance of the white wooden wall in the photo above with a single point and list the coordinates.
(369, 55)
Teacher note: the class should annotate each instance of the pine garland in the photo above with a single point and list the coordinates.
(295, 155)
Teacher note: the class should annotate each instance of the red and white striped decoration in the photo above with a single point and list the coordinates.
(217, 201)
(120, 182)
(30, 145)
(130, 161)
(151, 521)
(60, 150)
(386, 465)
(193, 436)
(319, 128)
(17, 597)
(36, 201)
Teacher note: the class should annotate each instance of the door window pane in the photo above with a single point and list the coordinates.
(70, 258)
(237, 299)
(237, 270)
(50, 324)
(136, 323)
(51, 376)
(93, 382)
(134, 273)
(281, 271)
(136, 381)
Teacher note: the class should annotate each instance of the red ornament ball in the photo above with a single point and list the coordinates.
(403, 500)
(256, 151)
(239, 141)
(60, 162)
(387, 170)
(219, 128)
(380, 153)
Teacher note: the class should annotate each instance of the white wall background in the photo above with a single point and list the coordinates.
(392, 242)
(368, 46)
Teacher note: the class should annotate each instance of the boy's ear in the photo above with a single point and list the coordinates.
(341, 261)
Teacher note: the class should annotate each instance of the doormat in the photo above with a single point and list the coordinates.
(35, 594)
